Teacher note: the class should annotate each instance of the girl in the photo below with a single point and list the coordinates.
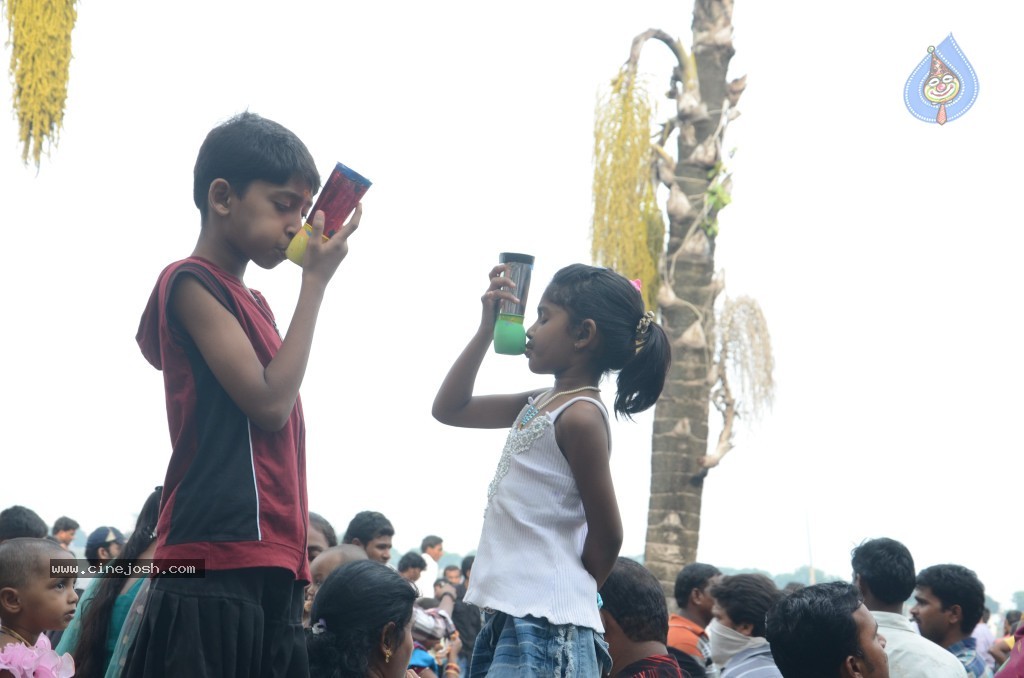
(31, 602)
(363, 624)
(552, 530)
(92, 637)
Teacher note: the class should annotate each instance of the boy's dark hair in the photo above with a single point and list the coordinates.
(352, 608)
(429, 542)
(746, 598)
(18, 521)
(367, 526)
(617, 308)
(886, 567)
(467, 565)
(91, 647)
(250, 148)
(411, 560)
(453, 568)
(693, 576)
(320, 523)
(23, 557)
(956, 585)
(635, 599)
(812, 631)
(64, 523)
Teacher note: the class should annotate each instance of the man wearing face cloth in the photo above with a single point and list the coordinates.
(737, 632)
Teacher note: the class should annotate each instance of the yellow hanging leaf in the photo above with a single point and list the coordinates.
(39, 33)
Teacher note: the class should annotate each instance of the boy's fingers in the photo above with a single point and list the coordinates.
(318, 225)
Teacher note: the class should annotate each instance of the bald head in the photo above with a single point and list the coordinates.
(26, 557)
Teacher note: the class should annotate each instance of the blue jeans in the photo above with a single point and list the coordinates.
(513, 647)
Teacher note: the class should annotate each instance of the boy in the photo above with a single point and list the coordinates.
(235, 490)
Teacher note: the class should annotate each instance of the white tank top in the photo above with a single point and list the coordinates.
(529, 558)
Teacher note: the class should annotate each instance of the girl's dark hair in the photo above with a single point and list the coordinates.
(350, 610)
(642, 358)
(90, 652)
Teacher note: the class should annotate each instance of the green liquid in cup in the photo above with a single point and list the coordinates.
(509, 334)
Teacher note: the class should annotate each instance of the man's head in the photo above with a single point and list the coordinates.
(742, 600)
(411, 566)
(321, 536)
(18, 521)
(467, 568)
(373, 532)
(633, 609)
(949, 602)
(64, 529)
(883, 570)
(1010, 621)
(250, 148)
(825, 631)
(433, 546)
(104, 544)
(693, 591)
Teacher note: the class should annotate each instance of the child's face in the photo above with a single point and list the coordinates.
(549, 343)
(265, 220)
(48, 604)
(321, 566)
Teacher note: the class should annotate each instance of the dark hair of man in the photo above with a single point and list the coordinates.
(1012, 617)
(886, 567)
(452, 568)
(411, 560)
(367, 526)
(616, 307)
(746, 599)
(956, 585)
(812, 631)
(18, 521)
(91, 650)
(320, 523)
(429, 542)
(63, 524)
(250, 148)
(353, 606)
(23, 557)
(467, 565)
(634, 598)
(693, 576)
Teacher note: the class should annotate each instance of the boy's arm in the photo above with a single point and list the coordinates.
(582, 435)
(265, 394)
(455, 403)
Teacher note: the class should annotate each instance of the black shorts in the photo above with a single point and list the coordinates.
(244, 622)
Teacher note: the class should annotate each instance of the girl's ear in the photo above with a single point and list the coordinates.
(10, 602)
(586, 334)
(387, 638)
(219, 196)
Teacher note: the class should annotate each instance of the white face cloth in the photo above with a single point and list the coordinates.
(727, 643)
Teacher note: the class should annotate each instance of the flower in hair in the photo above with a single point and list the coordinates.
(638, 284)
(319, 627)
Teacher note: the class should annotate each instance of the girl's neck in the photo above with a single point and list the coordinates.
(16, 633)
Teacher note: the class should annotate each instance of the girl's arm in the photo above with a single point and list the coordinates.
(582, 435)
(455, 403)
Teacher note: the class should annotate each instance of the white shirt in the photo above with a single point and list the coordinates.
(529, 558)
(911, 655)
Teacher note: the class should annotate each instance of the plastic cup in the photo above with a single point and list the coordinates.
(339, 197)
(509, 329)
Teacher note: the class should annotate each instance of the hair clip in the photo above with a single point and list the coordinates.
(319, 627)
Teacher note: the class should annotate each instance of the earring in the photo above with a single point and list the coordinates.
(387, 655)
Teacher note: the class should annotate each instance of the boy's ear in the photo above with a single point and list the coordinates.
(586, 334)
(219, 196)
(10, 603)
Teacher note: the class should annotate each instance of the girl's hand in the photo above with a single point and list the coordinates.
(322, 258)
(454, 647)
(497, 291)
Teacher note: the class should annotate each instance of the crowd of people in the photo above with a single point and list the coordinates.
(277, 593)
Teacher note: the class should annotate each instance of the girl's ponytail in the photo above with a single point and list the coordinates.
(643, 376)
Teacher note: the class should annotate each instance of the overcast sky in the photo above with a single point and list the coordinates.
(884, 251)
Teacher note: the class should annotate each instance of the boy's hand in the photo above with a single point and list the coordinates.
(498, 290)
(322, 258)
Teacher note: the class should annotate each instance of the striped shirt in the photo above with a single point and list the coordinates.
(755, 662)
(966, 652)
